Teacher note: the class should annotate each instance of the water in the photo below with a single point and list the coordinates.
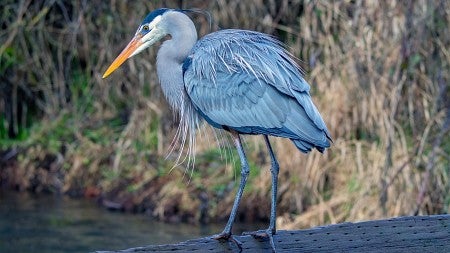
(44, 223)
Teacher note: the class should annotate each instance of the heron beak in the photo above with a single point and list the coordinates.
(128, 51)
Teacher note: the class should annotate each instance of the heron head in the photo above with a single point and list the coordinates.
(149, 32)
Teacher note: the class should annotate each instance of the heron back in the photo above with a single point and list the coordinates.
(248, 82)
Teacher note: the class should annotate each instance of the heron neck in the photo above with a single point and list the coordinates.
(171, 56)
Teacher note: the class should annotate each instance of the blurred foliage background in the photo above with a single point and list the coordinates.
(379, 73)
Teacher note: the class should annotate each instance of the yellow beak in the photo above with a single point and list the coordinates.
(134, 44)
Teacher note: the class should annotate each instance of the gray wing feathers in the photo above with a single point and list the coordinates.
(311, 110)
(245, 104)
(243, 79)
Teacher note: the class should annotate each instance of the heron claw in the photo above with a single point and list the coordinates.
(224, 237)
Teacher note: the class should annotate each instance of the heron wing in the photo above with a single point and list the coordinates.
(247, 81)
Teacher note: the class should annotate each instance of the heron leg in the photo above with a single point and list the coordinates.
(245, 170)
(274, 169)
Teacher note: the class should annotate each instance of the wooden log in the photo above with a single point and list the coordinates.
(404, 234)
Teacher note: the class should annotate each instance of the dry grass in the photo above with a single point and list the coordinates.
(379, 76)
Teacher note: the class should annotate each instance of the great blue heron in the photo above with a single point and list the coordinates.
(243, 82)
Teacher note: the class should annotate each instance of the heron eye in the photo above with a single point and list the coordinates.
(145, 28)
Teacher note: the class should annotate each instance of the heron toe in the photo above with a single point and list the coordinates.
(262, 235)
(224, 237)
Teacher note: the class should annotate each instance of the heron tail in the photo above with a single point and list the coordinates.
(305, 147)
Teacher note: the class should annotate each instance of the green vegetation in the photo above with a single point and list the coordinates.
(378, 73)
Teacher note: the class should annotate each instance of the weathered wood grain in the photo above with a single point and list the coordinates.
(404, 234)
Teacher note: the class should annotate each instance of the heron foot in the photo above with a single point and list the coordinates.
(263, 235)
(225, 237)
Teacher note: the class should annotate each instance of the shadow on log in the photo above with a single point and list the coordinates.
(404, 234)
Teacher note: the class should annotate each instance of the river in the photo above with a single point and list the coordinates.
(48, 223)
